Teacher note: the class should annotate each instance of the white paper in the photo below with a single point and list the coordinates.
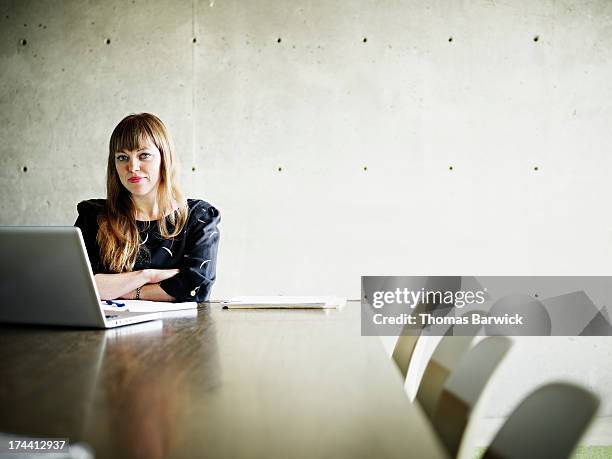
(284, 301)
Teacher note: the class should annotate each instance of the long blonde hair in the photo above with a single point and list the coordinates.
(118, 235)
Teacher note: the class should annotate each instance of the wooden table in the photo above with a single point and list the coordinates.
(219, 384)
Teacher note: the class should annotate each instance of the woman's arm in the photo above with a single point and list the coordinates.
(198, 264)
(112, 286)
(151, 292)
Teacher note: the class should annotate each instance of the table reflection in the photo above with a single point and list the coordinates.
(125, 392)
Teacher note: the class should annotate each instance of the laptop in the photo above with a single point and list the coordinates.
(46, 279)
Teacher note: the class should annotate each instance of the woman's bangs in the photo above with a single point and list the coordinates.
(131, 135)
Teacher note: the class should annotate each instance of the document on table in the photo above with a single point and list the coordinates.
(147, 306)
(284, 302)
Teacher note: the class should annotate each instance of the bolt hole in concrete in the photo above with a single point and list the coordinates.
(536, 38)
(365, 168)
(365, 39)
(536, 168)
(450, 39)
(25, 168)
(278, 40)
(23, 42)
(193, 169)
(280, 169)
(194, 39)
(450, 168)
(107, 41)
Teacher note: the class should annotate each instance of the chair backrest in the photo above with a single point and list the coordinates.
(444, 360)
(407, 344)
(421, 356)
(464, 387)
(433, 360)
(402, 352)
(548, 423)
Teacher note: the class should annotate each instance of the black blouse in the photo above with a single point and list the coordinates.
(194, 251)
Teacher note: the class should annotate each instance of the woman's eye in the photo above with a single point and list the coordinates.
(145, 155)
(121, 158)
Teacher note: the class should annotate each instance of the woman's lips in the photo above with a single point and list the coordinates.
(135, 179)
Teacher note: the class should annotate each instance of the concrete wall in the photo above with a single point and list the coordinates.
(338, 138)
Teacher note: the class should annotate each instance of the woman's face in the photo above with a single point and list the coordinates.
(139, 169)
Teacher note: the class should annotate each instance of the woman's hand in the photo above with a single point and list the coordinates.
(154, 276)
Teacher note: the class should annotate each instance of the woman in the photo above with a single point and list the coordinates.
(145, 241)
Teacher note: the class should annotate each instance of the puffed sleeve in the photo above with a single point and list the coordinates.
(87, 222)
(198, 265)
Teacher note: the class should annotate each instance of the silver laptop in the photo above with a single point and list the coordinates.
(45, 278)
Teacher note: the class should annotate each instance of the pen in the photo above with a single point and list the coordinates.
(115, 303)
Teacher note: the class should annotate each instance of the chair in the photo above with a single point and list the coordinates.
(548, 423)
(434, 359)
(459, 390)
(444, 360)
(423, 351)
(453, 379)
(402, 352)
(407, 342)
